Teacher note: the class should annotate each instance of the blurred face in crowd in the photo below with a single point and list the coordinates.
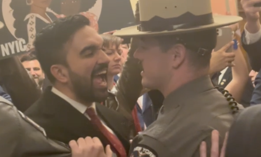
(86, 70)
(115, 64)
(252, 76)
(124, 52)
(34, 68)
(157, 65)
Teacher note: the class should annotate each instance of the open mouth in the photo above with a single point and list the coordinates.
(100, 78)
(102, 75)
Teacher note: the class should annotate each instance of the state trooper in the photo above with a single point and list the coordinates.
(176, 39)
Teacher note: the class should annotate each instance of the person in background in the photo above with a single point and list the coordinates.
(124, 48)
(234, 62)
(111, 46)
(32, 65)
(251, 40)
(14, 79)
(124, 52)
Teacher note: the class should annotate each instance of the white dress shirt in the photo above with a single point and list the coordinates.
(80, 107)
(222, 75)
(252, 37)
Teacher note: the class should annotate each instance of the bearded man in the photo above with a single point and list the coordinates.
(70, 53)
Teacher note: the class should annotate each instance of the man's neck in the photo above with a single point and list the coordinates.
(182, 79)
(68, 92)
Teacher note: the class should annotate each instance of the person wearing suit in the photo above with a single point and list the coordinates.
(225, 77)
(21, 137)
(251, 40)
(77, 68)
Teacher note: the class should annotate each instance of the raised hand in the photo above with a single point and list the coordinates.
(214, 146)
(89, 147)
(221, 59)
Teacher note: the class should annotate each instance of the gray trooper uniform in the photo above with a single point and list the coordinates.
(187, 118)
(21, 137)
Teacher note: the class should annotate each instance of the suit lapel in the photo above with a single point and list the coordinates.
(67, 117)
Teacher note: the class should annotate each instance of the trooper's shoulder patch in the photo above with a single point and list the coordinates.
(143, 151)
(31, 122)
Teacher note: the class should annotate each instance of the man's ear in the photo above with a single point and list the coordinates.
(178, 55)
(60, 73)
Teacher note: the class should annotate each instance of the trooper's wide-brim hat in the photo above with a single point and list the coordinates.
(166, 17)
(1, 25)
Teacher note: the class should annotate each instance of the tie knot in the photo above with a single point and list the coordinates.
(91, 112)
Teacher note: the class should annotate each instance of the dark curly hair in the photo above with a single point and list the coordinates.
(49, 43)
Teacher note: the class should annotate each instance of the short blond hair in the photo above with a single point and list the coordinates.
(111, 40)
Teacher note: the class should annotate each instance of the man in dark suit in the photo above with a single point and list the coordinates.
(223, 78)
(251, 40)
(70, 53)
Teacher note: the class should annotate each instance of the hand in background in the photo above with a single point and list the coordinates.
(89, 147)
(214, 146)
(221, 59)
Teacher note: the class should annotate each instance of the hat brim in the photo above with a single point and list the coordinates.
(1, 25)
(219, 21)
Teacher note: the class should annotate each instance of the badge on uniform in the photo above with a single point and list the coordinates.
(140, 151)
(223, 82)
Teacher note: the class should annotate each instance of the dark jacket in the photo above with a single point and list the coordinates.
(244, 135)
(63, 122)
(254, 54)
(21, 137)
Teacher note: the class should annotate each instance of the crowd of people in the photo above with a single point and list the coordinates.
(157, 89)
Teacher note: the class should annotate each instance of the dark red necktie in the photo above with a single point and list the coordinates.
(114, 142)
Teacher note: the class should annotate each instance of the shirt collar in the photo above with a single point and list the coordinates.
(78, 106)
(186, 91)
